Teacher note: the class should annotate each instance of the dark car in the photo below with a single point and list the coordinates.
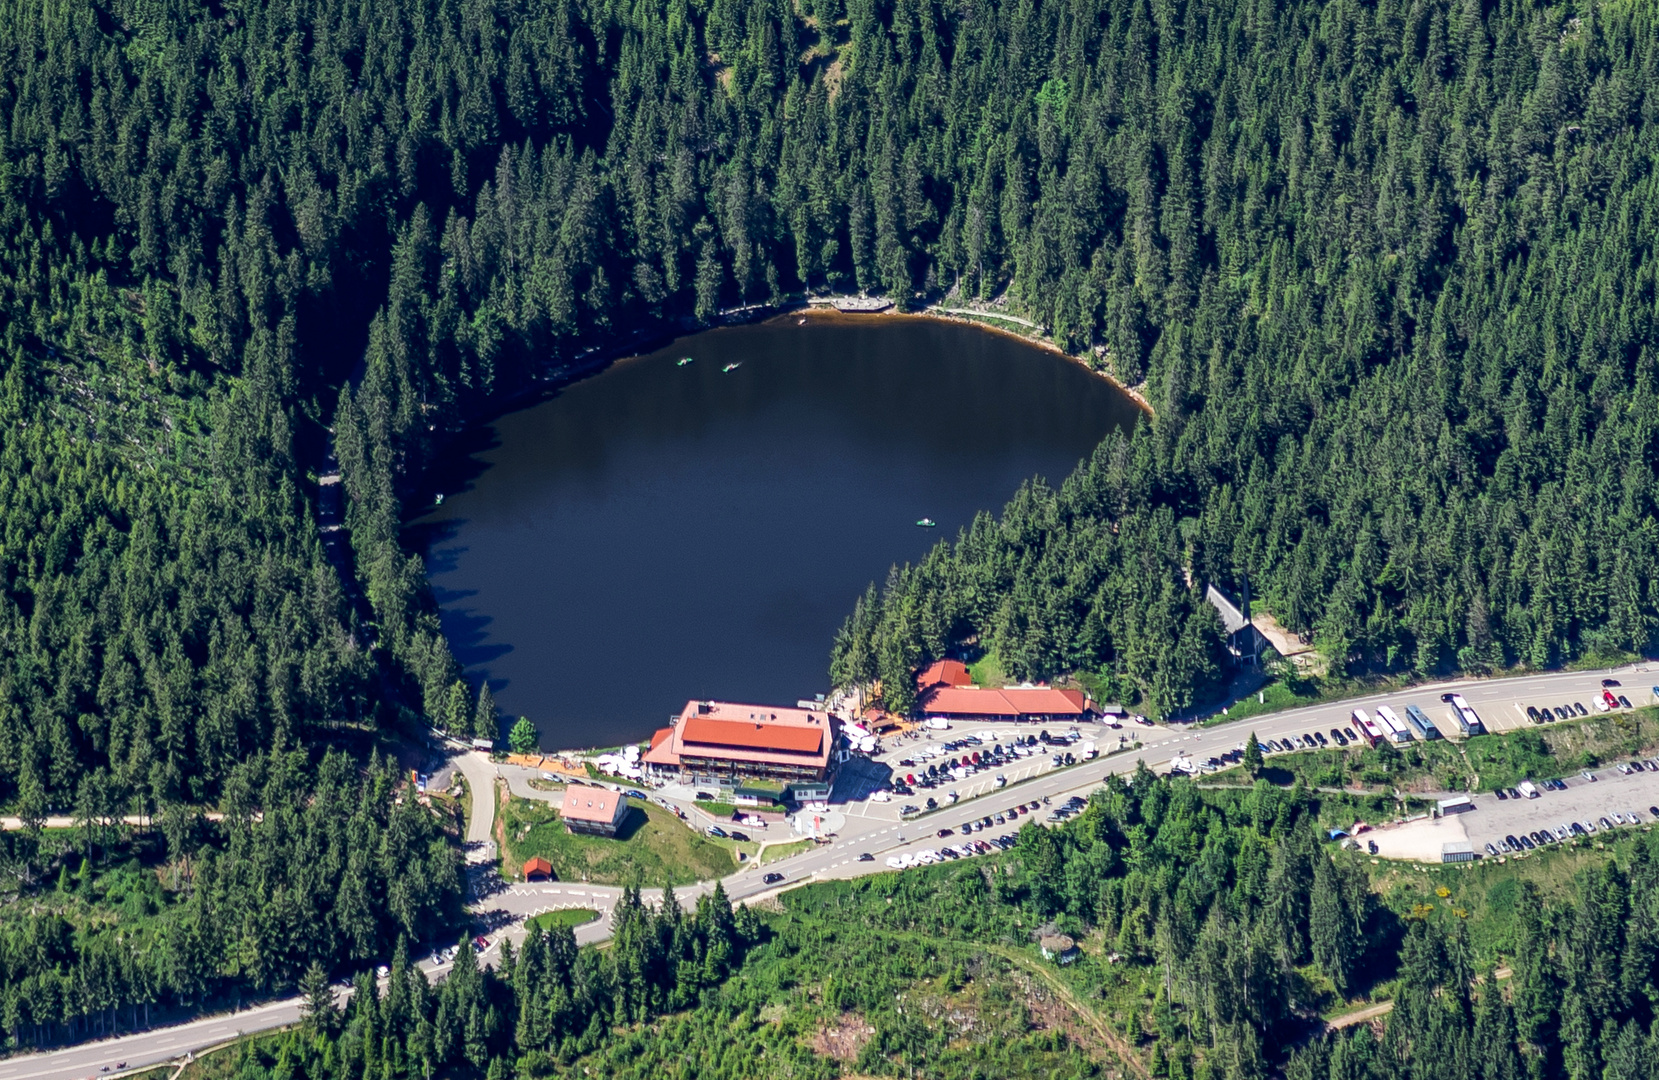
(773, 878)
(1348, 731)
(1578, 707)
(1606, 823)
(1527, 843)
(1491, 849)
(866, 857)
(933, 804)
(735, 835)
(1371, 845)
(1532, 714)
(1336, 737)
(1321, 737)
(943, 832)
(715, 830)
(1624, 701)
(1562, 713)
(1611, 682)
(1502, 795)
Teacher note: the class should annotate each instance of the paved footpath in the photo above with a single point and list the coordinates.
(872, 828)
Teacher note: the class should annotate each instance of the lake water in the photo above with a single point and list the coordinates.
(662, 532)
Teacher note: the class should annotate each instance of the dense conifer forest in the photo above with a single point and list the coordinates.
(1383, 270)
(1217, 927)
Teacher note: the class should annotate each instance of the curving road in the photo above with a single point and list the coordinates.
(872, 828)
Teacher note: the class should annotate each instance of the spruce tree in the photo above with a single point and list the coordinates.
(484, 722)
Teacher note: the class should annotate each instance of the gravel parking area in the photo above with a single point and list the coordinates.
(1494, 818)
(1584, 800)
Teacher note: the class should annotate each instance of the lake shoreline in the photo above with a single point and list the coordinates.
(600, 358)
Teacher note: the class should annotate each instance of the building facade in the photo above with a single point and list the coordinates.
(728, 743)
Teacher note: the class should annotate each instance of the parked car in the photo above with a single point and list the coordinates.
(1625, 701)
(1578, 707)
(773, 878)
(866, 857)
(715, 830)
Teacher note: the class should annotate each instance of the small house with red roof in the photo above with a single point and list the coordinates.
(943, 673)
(593, 810)
(538, 869)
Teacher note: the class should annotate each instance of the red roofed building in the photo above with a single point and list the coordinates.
(943, 673)
(594, 810)
(538, 869)
(1034, 703)
(720, 740)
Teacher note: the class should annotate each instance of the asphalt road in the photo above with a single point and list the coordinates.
(875, 828)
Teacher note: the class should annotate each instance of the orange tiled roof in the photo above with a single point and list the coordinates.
(584, 803)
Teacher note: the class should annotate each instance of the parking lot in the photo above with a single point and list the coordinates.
(1513, 717)
(914, 754)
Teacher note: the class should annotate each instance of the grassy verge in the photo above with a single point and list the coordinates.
(654, 847)
(1482, 763)
(1293, 691)
(571, 917)
(774, 852)
(717, 810)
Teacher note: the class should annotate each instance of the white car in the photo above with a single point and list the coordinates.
(881, 796)
(895, 862)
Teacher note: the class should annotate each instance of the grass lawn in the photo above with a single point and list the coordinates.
(654, 847)
(1486, 894)
(987, 671)
(571, 917)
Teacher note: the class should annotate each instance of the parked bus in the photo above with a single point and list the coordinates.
(1420, 720)
(1368, 727)
(1465, 716)
(1397, 730)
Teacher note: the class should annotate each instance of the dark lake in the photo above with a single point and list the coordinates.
(661, 532)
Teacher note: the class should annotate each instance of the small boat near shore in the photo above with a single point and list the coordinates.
(927, 523)
(731, 367)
